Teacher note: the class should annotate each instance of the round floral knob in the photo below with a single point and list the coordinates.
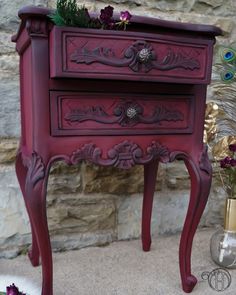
(144, 55)
(131, 112)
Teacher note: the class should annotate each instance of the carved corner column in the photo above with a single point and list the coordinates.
(38, 31)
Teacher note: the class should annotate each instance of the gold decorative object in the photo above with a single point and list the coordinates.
(221, 149)
(230, 215)
(210, 126)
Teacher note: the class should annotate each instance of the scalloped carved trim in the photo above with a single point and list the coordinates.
(140, 56)
(123, 155)
(36, 168)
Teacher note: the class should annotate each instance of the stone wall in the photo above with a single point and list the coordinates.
(88, 205)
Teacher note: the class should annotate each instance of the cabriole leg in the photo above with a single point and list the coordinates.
(31, 171)
(201, 175)
(21, 172)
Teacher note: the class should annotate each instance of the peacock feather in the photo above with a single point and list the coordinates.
(228, 55)
(228, 64)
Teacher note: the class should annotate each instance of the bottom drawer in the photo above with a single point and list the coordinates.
(76, 113)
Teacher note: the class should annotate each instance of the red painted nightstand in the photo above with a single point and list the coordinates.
(112, 98)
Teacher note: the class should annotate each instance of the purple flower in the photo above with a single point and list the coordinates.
(13, 290)
(125, 16)
(106, 15)
(226, 162)
(233, 162)
(232, 147)
(228, 178)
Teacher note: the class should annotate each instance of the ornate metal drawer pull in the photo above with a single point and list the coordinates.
(131, 112)
(144, 55)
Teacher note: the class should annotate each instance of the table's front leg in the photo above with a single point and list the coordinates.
(201, 174)
(32, 174)
(21, 172)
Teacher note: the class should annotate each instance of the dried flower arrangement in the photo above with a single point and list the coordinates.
(223, 150)
(68, 13)
(228, 176)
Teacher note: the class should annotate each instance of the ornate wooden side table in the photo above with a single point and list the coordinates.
(113, 98)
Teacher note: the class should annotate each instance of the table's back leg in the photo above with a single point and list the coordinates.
(35, 177)
(201, 174)
(150, 174)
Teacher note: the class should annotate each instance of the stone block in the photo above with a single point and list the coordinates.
(10, 107)
(9, 64)
(112, 180)
(8, 150)
(80, 213)
(212, 3)
(15, 245)
(9, 20)
(64, 179)
(14, 219)
(226, 25)
(177, 177)
(170, 6)
(169, 211)
(73, 241)
(215, 7)
(6, 46)
(115, 181)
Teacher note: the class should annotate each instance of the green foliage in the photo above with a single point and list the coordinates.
(69, 14)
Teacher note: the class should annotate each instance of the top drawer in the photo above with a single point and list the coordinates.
(102, 54)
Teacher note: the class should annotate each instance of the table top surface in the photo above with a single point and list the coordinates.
(149, 23)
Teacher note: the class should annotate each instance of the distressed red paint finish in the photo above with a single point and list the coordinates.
(141, 101)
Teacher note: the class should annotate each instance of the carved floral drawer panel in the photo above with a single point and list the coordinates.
(128, 55)
(76, 113)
